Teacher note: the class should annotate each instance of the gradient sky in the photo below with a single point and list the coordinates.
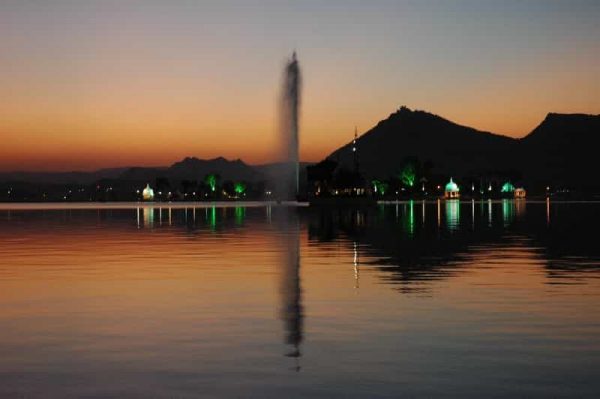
(88, 84)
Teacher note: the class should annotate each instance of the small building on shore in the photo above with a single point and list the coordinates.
(520, 193)
(452, 191)
(148, 193)
(507, 188)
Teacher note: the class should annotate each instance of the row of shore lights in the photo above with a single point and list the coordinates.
(506, 187)
(148, 193)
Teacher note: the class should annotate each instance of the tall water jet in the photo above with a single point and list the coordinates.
(289, 126)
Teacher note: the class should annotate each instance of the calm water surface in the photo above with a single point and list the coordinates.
(439, 299)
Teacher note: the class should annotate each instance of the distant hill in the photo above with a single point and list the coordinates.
(563, 150)
(229, 170)
(192, 168)
(62, 177)
(451, 149)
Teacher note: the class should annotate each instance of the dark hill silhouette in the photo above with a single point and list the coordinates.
(192, 168)
(562, 151)
(229, 170)
(74, 177)
(139, 173)
(453, 149)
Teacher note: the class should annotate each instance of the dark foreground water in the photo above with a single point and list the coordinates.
(416, 300)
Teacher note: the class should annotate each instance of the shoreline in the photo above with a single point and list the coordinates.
(16, 206)
(10, 206)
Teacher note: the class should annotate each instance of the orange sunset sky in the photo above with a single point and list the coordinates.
(94, 84)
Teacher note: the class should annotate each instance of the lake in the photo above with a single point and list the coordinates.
(414, 299)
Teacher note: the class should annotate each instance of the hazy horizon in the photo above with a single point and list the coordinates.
(127, 83)
(167, 165)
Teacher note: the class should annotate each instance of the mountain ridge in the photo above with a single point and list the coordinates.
(451, 147)
(559, 151)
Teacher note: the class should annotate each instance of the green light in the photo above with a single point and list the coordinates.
(508, 213)
(452, 215)
(148, 217)
(239, 188)
(408, 175)
(211, 215)
(507, 188)
(240, 212)
(380, 187)
(211, 180)
(411, 218)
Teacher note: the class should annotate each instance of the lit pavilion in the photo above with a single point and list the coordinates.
(508, 188)
(452, 191)
(148, 193)
(520, 192)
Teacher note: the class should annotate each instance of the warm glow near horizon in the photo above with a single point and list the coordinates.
(87, 85)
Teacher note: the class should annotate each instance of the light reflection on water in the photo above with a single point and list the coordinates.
(467, 299)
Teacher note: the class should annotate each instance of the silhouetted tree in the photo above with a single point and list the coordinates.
(228, 188)
(162, 184)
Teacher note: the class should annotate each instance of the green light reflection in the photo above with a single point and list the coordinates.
(211, 217)
(411, 218)
(240, 213)
(508, 211)
(452, 214)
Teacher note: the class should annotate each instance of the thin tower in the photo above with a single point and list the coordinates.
(354, 152)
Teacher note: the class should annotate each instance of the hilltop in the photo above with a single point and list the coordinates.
(449, 147)
(563, 150)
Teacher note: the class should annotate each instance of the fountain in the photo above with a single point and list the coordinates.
(291, 310)
(289, 116)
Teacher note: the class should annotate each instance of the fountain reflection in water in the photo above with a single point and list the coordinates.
(291, 310)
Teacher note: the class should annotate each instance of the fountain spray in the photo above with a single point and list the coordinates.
(290, 108)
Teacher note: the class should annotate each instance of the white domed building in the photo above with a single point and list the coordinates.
(452, 191)
(148, 193)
